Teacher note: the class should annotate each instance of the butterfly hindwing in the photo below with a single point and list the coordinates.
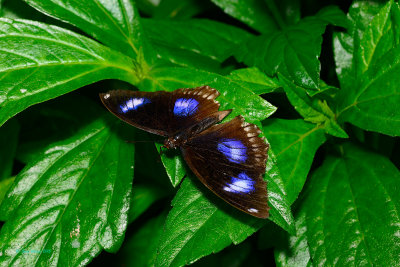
(230, 159)
(162, 113)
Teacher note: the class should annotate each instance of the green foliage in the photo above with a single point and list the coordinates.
(68, 189)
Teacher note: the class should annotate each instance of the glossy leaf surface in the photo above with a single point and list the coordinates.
(71, 202)
(254, 13)
(295, 143)
(260, 83)
(114, 23)
(371, 95)
(198, 43)
(295, 49)
(41, 62)
(352, 210)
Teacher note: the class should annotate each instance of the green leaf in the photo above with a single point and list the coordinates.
(294, 143)
(372, 102)
(254, 13)
(141, 248)
(296, 253)
(143, 196)
(71, 202)
(40, 62)
(261, 83)
(198, 216)
(312, 109)
(295, 50)
(346, 44)
(375, 105)
(196, 42)
(279, 212)
(112, 22)
(352, 210)
(9, 134)
(174, 165)
(377, 39)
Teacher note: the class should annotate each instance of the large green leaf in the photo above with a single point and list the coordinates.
(352, 210)
(71, 202)
(294, 143)
(254, 13)
(294, 51)
(9, 134)
(312, 109)
(371, 100)
(112, 22)
(375, 105)
(40, 62)
(348, 43)
(194, 39)
(280, 212)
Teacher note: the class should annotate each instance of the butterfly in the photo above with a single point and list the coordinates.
(228, 158)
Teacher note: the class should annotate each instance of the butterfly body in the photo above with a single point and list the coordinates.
(228, 158)
(180, 139)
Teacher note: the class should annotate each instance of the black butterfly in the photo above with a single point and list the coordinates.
(228, 158)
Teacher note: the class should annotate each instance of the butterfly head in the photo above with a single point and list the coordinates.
(171, 142)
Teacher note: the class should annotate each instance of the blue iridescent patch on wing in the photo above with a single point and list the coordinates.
(240, 184)
(234, 150)
(133, 104)
(185, 107)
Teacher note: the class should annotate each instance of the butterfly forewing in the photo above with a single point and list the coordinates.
(230, 160)
(162, 113)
